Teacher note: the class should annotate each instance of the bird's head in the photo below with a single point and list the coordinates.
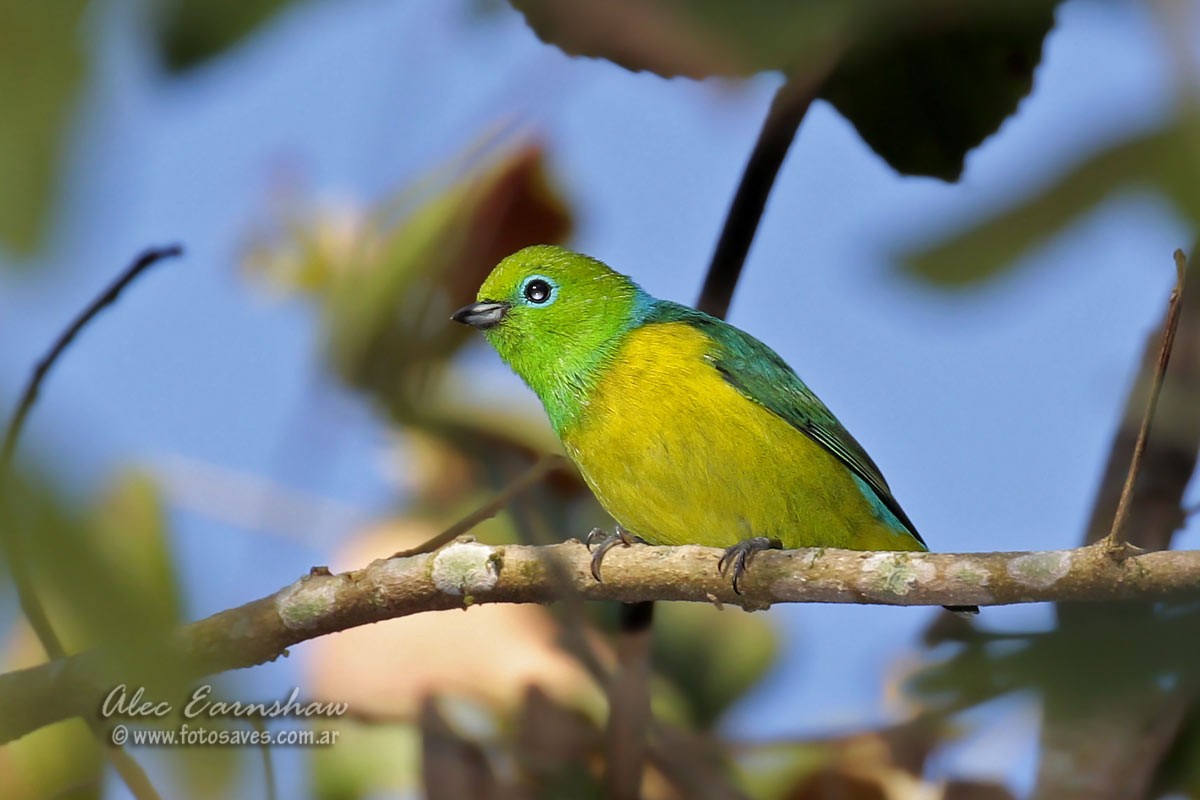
(554, 315)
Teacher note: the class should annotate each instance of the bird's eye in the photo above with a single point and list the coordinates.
(537, 291)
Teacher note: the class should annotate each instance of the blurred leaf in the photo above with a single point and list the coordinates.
(370, 760)
(190, 32)
(737, 650)
(41, 71)
(1160, 648)
(57, 761)
(452, 766)
(388, 290)
(1166, 161)
(870, 765)
(1179, 773)
(923, 81)
(975, 790)
(104, 576)
(922, 102)
(557, 748)
(108, 574)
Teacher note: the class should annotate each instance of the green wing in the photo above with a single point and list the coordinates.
(763, 377)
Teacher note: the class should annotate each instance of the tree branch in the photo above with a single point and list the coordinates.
(469, 573)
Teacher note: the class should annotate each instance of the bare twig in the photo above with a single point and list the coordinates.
(1115, 541)
(26, 592)
(144, 261)
(129, 770)
(471, 573)
(521, 484)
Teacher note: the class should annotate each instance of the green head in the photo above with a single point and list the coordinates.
(556, 318)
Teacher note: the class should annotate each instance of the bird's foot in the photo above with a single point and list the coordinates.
(604, 542)
(737, 558)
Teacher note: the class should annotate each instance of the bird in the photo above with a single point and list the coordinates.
(687, 429)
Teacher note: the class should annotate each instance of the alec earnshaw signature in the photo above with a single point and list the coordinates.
(122, 703)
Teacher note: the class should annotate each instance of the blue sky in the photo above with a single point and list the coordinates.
(989, 410)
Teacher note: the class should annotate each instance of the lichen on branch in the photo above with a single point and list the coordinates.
(467, 573)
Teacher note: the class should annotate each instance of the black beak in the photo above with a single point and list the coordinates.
(481, 315)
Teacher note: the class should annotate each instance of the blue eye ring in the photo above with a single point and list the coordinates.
(539, 290)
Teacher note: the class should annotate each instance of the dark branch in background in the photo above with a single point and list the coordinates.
(471, 573)
(1116, 535)
(133, 776)
(1112, 750)
(788, 108)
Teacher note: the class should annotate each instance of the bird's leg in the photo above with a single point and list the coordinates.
(739, 556)
(604, 542)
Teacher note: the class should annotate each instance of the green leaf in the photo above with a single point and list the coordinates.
(104, 574)
(735, 649)
(922, 81)
(1156, 642)
(924, 101)
(41, 71)
(693, 38)
(1166, 161)
(190, 32)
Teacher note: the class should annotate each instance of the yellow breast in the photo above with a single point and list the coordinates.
(679, 456)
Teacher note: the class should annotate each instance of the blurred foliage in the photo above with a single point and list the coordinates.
(1165, 162)
(1180, 773)
(923, 81)
(1100, 667)
(736, 650)
(886, 764)
(106, 578)
(57, 761)
(1160, 647)
(105, 572)
(41, 73)
(923, 101)
(503, 701)
(387, 288)
(190, 32)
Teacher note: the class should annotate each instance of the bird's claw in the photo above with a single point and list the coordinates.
(738, 557)
(604, 542)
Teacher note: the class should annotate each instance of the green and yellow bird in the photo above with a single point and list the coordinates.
(688, 430)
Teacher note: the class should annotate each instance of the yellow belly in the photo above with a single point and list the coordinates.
(679, 456)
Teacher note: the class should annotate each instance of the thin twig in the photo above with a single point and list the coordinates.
(146, 260)
(1115, 541)
(788, 109)
(523, 483)
(131, 773)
